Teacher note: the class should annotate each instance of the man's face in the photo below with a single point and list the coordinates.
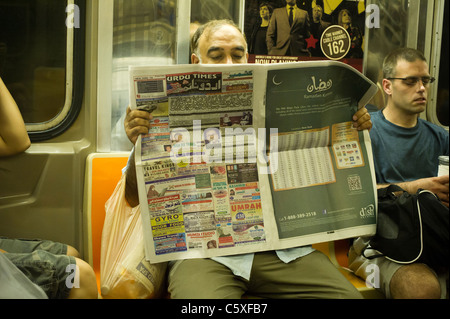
(226, 45)
(410, 98)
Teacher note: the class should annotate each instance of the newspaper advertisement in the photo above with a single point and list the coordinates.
(246, 158)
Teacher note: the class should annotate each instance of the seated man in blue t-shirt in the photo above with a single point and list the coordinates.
(406, 150)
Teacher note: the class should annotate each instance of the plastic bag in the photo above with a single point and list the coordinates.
(14, 284)
(125, 273)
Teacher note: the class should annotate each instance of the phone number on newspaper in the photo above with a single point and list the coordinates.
(299, 215)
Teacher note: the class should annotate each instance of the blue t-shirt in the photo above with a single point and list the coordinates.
(406, 154)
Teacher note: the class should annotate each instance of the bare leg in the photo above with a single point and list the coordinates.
(415, 281)
(71, 251)
(87, 284)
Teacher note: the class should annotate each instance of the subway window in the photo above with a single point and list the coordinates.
(143, 34)
(205, 10)
(393, 26)
(41, 61)
(406, 23)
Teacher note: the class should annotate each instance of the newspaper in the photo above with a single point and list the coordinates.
(245, 158)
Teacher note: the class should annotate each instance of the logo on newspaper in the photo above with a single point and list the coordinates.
(367, 212)
(319, 86)
(240, 216)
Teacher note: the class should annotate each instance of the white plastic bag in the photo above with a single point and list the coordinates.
(14, 284)
(125, 273)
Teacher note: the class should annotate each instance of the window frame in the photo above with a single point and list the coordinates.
(74, 86)
(438, 25)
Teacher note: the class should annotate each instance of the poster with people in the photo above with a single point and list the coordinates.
(298, 30)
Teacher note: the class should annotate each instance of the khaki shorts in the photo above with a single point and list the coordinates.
(310, 276)
(44, 262)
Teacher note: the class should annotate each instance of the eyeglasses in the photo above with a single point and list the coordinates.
(412, 80)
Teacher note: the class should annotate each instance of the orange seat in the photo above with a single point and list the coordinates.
(103, 172)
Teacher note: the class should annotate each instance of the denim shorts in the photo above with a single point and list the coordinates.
(44, 262)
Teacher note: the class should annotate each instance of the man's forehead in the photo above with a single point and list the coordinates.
(410, 66)
(223, 34)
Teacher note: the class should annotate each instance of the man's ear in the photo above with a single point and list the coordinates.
(194, 59)
(387, 86)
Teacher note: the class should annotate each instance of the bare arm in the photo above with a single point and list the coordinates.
(136, 123)
(437, 185)
(13, 133)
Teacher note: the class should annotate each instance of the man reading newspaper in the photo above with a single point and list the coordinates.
(300, 272)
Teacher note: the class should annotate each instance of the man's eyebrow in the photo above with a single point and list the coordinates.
(239, 48)
(215, 49)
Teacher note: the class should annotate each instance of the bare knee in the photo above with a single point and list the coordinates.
(415, 281)
(86, 287)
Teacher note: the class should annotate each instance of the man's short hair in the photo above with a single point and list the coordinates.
(209, 27)
(391, 60)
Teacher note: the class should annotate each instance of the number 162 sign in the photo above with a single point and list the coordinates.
(335, 42)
